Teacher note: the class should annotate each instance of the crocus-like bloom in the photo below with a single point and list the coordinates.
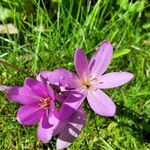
(39, 102)
(90, 80)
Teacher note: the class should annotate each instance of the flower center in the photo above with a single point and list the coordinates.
(86, 84)
(44, 103)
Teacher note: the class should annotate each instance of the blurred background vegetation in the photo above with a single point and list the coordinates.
(40, 35)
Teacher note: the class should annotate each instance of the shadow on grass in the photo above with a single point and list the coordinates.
(140, 125)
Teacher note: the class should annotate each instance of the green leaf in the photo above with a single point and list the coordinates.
(121, 53)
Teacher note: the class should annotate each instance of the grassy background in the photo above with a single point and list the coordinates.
(48, 34)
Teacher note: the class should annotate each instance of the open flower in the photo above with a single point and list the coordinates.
(90, 79)
(39, 104)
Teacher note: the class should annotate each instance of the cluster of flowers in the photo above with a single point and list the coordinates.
(54, 98)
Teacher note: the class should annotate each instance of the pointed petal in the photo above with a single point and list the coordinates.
(101, 103)
(114, 79)
(101, 59)
(60, 77)
(71, 104)
(4, 88)
(31, 92)
(37, 87)
(22, 95)
(71, 130)
(81, 63)
(45, 130)
(29, 114)
(48, 89)
(60, 144)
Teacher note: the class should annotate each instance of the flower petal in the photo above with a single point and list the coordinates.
(4, 88)
(81, 63)
(48, 125)
(37, 87)
(101, 59)
(31, 92)
(71, 130)
(53, 114)
(71, 104)
(45, 130)
(48, 89)
(60, 77)
(101, 103)
(29, 114)
(45, 74)
(114, 79)
(22, 95)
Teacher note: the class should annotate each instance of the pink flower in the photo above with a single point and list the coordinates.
(90, 80)
(39, 102)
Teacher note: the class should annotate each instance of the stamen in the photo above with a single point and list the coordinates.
(86, 84)
(44, 103)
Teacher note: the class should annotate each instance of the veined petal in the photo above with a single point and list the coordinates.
(22, 95)
(71, 104)
(114, 79)
(47, 88)
(37, 87)
(101, 59)
(31, 92)
(101, 103)
(71, 130)
(60, 77)
(49, 125)
(29, 114)
(45, 130)
(81, 63)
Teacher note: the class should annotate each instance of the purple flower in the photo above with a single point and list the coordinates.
(39, 104)
(90, 80)
(69, 130)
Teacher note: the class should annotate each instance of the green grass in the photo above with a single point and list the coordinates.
(46, 43)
